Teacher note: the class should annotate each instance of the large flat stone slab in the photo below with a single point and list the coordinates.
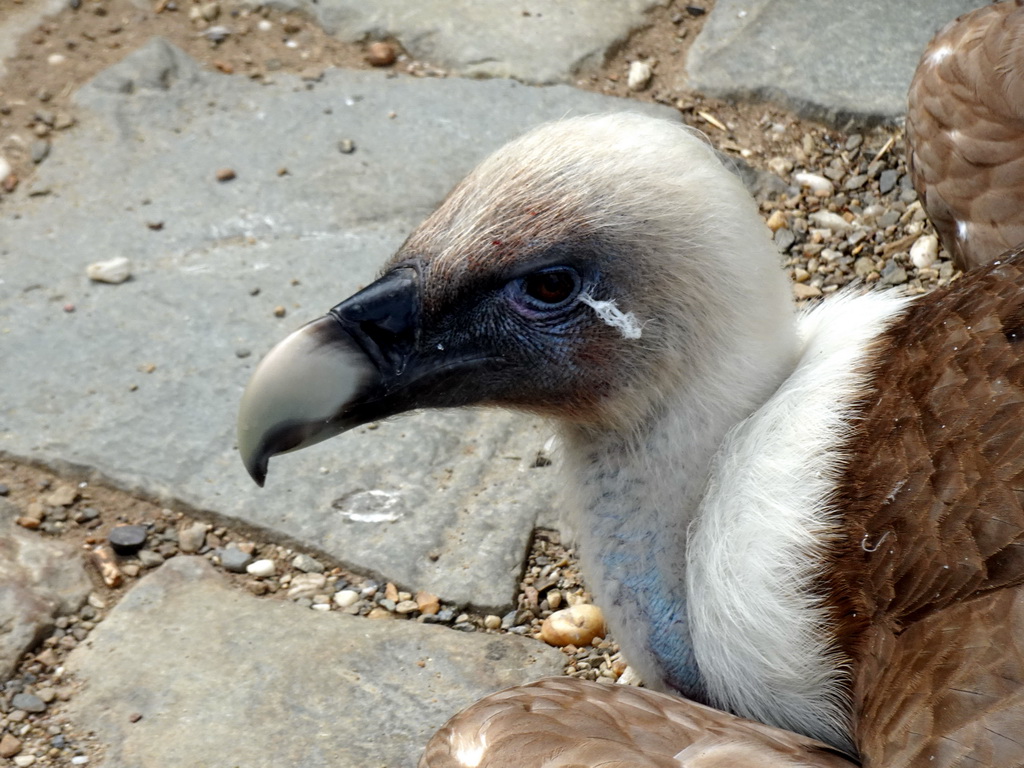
(542, 43)
(843, 63)
(141, 382)
(223, 678)
(40, 579)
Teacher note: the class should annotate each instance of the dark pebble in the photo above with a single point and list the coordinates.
(465, 627)
(4, 489)
(241, 353)
(28, 702)
(696, 10)
(127, 539)
(58, 741)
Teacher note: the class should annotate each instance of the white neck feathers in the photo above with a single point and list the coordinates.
(759, 631)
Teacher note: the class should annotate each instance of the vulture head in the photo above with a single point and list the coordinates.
(591, 271)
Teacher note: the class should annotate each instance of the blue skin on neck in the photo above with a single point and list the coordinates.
(664, 611)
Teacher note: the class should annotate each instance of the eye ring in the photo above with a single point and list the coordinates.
(551, 288)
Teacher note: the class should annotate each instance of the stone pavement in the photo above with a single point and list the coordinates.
(138, 386)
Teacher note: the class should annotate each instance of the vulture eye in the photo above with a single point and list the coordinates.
(551, 287)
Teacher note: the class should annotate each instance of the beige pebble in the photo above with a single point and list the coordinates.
(804, 291)
(380, 613)
(554, 599)
(9, 745)
(106, 563)
(306, 585)
(346, 598)
(780, 166)
(492, 622)
(406, 606)
(381, 54)
(428, 603)
(578, 625)
(777, 221)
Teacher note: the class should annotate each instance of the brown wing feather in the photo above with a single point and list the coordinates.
(965, 133)
(568, 723)
(932, 559)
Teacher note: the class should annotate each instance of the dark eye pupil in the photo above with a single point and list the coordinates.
(551, 287)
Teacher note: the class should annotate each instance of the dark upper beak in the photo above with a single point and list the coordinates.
(345, 369)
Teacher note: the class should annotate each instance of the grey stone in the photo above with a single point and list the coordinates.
(40, 579)
(460, 488)
(150, 559)
(893, 274)
(845, 63)
(39, 150)
(488, 38)
(234, 559)
(307, 564)
(28, 702)
(303, 687)
(887, 180)
(784, 238)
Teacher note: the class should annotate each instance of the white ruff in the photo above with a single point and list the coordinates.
(759, 635)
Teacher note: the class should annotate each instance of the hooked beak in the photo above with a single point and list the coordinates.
(331, 375)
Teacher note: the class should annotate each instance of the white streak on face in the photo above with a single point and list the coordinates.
(626, 322)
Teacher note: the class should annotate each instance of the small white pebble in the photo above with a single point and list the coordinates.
(115, 270)
(819, 185)
(925, 251)
(5, 168)
(831, 221)
(345, 598)
(79, 759)
(261, 568)
(321, 606)
(265, 25)
(22, 761)
(640, 74)
(56, 59)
